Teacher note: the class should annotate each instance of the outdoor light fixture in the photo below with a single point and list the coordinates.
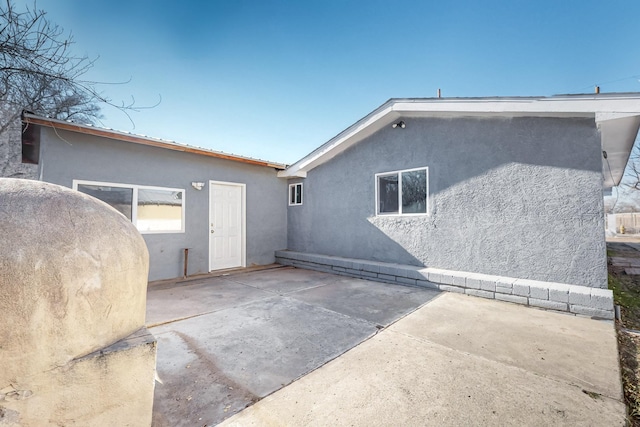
(197, 185)
(399, 124)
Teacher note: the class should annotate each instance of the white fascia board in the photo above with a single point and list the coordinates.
(605, 106)
(604, 116)
(555, 106)
(365, 127)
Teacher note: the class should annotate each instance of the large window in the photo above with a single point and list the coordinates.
(150, 209)
(295, 194)
(402, 192)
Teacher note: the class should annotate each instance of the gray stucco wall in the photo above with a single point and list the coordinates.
(518, 197)
(66, 156)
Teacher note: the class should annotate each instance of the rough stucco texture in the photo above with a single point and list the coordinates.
(518, 197)
(113, 387)
(73, 277)
(66, 156)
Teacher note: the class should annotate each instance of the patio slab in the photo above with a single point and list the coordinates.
(238, 339)
(313, 351)
(380, 303)
(196, 298)
(242, 354)
(407, 376)
(562, 346)
(284, 280)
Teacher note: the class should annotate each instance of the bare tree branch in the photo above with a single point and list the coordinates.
(40, 73)
(632, 173)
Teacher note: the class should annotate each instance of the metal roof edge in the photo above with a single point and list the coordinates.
(89, 129)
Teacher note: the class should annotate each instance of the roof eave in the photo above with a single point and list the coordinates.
(618, 133)
(603, 108)
(142, 140)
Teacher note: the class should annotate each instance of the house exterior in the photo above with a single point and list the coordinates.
(494, 197)
(481, 192)
(228, 211)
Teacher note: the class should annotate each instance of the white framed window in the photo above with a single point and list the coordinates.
(403, 192)
(295, 194)
(150, 209)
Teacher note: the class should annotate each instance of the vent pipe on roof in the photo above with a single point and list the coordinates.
(439, 94)
(597, 89)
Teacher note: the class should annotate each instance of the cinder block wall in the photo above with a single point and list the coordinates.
(593, 302)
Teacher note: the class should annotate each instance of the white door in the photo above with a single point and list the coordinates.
(226, 225)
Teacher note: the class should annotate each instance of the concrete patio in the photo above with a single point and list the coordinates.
(456, 360)
(227, 342)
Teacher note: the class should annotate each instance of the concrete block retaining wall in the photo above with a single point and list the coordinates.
(593, 302)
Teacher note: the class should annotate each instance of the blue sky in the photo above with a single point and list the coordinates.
(276, 79)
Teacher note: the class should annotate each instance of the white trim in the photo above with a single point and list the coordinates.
(134, 201)
(301, 194)
(597, 106)
(399, 174)
(243, 196)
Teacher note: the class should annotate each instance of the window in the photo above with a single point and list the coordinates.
(402, 192)
(150, 209)
(30, 144)
(295, 194)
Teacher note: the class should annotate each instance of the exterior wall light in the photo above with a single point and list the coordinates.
(197, 185)
(399, 124)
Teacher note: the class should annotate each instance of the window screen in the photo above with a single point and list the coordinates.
(388, 194)
(414, 191)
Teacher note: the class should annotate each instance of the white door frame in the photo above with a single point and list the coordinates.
(243, 198)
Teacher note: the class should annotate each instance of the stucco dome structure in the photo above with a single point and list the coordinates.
(73, 277)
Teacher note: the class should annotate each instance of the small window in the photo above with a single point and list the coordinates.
(295, 194)
(402, 192)
(30, 144)
(150, 209)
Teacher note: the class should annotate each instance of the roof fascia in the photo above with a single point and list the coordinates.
(364, 127)
(618, 133)
(587, 106)
(142, 140)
